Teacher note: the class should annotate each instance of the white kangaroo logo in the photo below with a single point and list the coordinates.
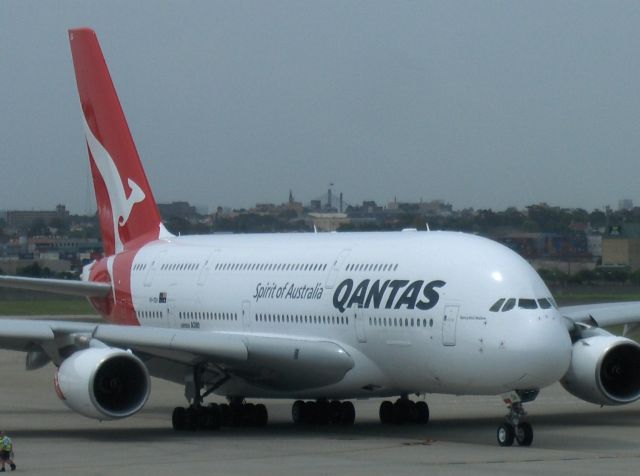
(121, 205)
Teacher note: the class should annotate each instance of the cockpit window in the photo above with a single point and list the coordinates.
(497, 305)
(527, 304)
(544, 304)
(510, 304)
(553, 302)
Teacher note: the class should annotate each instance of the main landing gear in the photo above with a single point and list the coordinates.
(404, 411)
(199, 417)
(323, 412)
(213, 416)
(514, 429)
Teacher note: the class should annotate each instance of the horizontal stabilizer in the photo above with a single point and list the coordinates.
(58, 286)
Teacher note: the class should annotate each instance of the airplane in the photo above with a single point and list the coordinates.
(318, 318)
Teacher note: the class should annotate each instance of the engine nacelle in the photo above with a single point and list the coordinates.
(605, 370)
(103, 383)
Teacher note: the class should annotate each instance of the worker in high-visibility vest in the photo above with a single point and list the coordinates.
(6, 451)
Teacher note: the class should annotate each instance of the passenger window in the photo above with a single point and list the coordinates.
(498, 304)
(510, 304)
(527, 304)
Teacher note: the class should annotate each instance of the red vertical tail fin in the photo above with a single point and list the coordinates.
(126, 208)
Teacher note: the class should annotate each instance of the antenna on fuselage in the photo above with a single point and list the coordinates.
(427, 223)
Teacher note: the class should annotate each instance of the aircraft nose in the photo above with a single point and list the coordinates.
(542, 347)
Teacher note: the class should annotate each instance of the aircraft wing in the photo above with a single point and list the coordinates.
(59, 286)
(275, 362)
(604, 315)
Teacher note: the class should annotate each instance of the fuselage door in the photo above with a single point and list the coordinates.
(335, 268)
(361, 332)
(153, 268)
(246, 316)
(206, 269)
(449, 322)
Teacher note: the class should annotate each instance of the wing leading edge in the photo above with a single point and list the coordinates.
(58, 286)
(278, 363)
(604, 315)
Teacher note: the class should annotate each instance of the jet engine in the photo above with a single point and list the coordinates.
(605, 370)
(103, 383)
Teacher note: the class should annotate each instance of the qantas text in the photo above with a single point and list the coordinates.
(390, 294)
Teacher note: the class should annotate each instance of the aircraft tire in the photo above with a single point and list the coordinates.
(213, 418)
(347, 414)
(402, 411)
(323, 413)
(422, 413)
(225, 414)
(261, 416)
(179, 419)
(524, 434)
(505, 434)
(297, 411)
(249, 416)
(386, 412)
(335, 410)
(310, 413)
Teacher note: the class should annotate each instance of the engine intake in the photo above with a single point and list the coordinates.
(604, 370)
(103, 383)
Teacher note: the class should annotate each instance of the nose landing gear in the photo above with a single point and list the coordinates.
(514, 429)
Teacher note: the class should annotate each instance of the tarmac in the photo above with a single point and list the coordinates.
(571, 437)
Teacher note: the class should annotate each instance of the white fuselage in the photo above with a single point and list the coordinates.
(412, 309)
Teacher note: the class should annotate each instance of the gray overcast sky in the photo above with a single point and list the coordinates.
(480, 103)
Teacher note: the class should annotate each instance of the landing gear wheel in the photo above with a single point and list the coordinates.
(335, 411)
(213, 418)
(179, 419)
(347, 413)
(524, 434)
(297, 411)
(505, 434)
(323, 413)
(261, 415)
(386, 412)
(422, 413)
(310, 413)
(402, 411)
(225, 414)
(249, 414)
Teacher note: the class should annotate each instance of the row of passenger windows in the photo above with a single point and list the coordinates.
(399, 322)
(506, 304)
(180, 267)
(371, 267)
(270, 267)
(149, 314)
(305, 319)
(209, 316)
